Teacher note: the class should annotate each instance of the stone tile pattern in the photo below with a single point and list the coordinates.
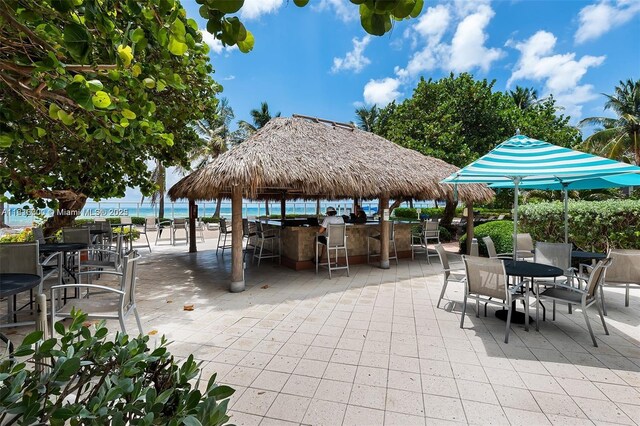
(373, 349)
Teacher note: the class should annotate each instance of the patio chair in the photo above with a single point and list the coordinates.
(430, 231)
(224, 232)
(450, 275)
(264, 237)
(487, 282)
(392, 242)
(525, 246)
(178, 225)
(115, 303)
(200, 225)
(336, 235)
(475, 250)
(76, 235)
(50, 265)
(624, 272)
(163, 224)
(577, 296)
(100, 259)
(491, 249)
(558, 255)
(149, 226)
(19, 258)
(248, 232)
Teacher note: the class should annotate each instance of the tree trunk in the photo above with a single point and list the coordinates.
(218, 207)
(161, 205)
(2, 209)
(70, 205)
(162, 181)
(266, 208)
(449, 213)
(411, 203)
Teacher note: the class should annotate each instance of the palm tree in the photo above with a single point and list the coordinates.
(524, 97)
(159, 178)
(367, 118)
(260, 118)
(619, 137)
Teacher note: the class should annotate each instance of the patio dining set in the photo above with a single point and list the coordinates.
(545, 272)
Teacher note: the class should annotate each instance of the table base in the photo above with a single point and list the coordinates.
(516, 316)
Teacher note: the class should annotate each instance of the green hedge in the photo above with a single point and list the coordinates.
(500, 231)
(433, 212)
(593, 225)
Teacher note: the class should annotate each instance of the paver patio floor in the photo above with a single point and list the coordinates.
(373, 349)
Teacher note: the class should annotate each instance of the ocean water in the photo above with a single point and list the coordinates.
(24, 215)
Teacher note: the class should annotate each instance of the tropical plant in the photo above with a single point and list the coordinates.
(500, 231)
(619, 137)
(524, 97)
(83, 377)
(260, 117)
(367, 117)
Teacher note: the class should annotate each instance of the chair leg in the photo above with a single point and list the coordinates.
(442, 293)
(508, 329)
(464, 310)
(604, 305)
(626, 297)
(218, 247)
(477, 308)
(329, 259)
(260, 254)
(316, 258)
(586, 319)
(395, 251)
(148, 243)
(554, 311)
(604, 325)
(121, 318)
(135, 312)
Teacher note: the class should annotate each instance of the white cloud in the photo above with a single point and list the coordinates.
(467, 49)
(343, 9)
(561, 73)
(229, 78)
(354, 60)
(381, 92)
(253, 9)
(215, 45)
(596, 19)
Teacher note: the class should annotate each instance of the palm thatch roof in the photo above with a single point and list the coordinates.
(303, 157)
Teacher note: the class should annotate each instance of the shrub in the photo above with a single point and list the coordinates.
(22, 237)
(593, 225)
(210, 219)
(445, 235)
(95, 381)
(500, 231)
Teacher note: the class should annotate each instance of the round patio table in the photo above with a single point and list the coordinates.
(64, 248)
(587, 255)
(11, 284)
(523, 269)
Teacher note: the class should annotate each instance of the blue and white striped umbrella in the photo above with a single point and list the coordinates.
(522, 161)
(527, 159)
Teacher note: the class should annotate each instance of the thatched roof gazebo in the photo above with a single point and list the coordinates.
(305, 157)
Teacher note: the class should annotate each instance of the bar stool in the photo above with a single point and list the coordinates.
(336, 239)
(224, 230)
(269, 236)
(430, 232)
(392, 241)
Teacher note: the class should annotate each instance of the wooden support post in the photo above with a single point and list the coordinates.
(384, 234)
(283, 207)
(318, 207)
(237, 267)
(192, 226)
(469, 206)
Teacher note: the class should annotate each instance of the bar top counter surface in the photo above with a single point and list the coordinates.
(298, 240)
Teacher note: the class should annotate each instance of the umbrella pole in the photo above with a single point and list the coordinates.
(516, 183)
(566, 214)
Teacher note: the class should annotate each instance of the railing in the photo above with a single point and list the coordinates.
(22, 215)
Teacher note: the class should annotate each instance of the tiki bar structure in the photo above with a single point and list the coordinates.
(309, 158)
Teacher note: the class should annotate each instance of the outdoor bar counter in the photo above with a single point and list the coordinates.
(298, 242)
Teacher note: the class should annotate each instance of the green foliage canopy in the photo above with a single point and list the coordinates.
(458, 119)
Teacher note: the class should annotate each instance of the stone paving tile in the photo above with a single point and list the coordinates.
(373, 349)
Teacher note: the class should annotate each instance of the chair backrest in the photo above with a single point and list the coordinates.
(442, 254)
(486, 277)
(554, 254)
(76, 235)
(597, 276)
(125, 220)
(245, 227)
(38, 235)
(129, 273)
(179, 223)
(336, 235)
(625, 267)
(100, 219)
(20, 258)
(150, 224)
(525, 242)
(491, 248)
(431, 229)
(223, 226)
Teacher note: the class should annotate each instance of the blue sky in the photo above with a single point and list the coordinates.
(318, 60)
